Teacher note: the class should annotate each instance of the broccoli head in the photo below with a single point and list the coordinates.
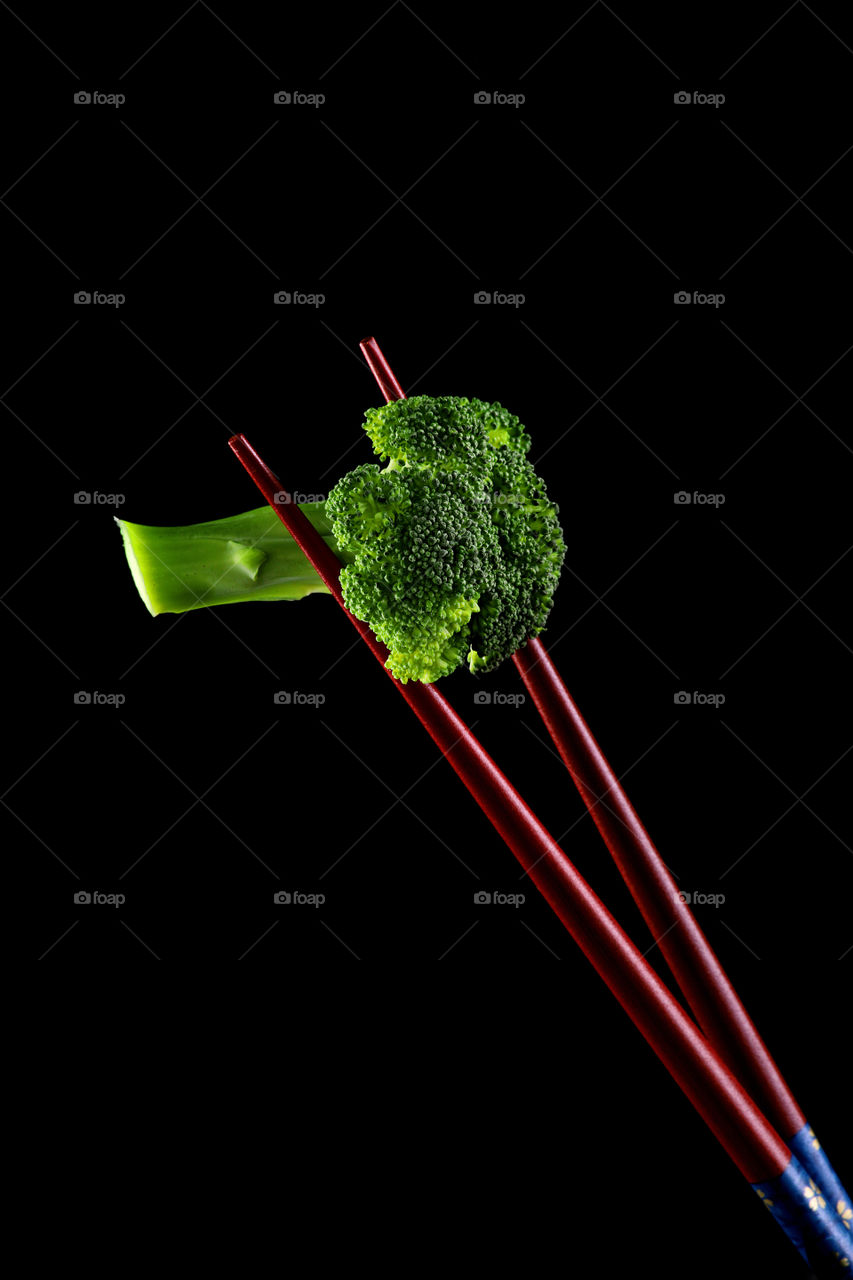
(455, 548)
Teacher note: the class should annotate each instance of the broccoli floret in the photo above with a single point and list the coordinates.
(455, 547)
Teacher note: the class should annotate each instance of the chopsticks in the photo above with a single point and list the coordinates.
(690, 957)
(744, 1132)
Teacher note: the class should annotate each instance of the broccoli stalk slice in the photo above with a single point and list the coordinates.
(244, 557)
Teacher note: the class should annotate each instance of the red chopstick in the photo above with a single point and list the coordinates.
(720, 1099)
(685, 948)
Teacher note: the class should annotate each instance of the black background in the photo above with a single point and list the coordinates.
(398, 199)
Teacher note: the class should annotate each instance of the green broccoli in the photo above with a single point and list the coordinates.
(455, 547)
(452, 552)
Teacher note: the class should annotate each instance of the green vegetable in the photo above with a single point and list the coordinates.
(452, 552)
(245, 557)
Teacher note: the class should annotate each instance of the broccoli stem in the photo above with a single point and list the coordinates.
(245, 557)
